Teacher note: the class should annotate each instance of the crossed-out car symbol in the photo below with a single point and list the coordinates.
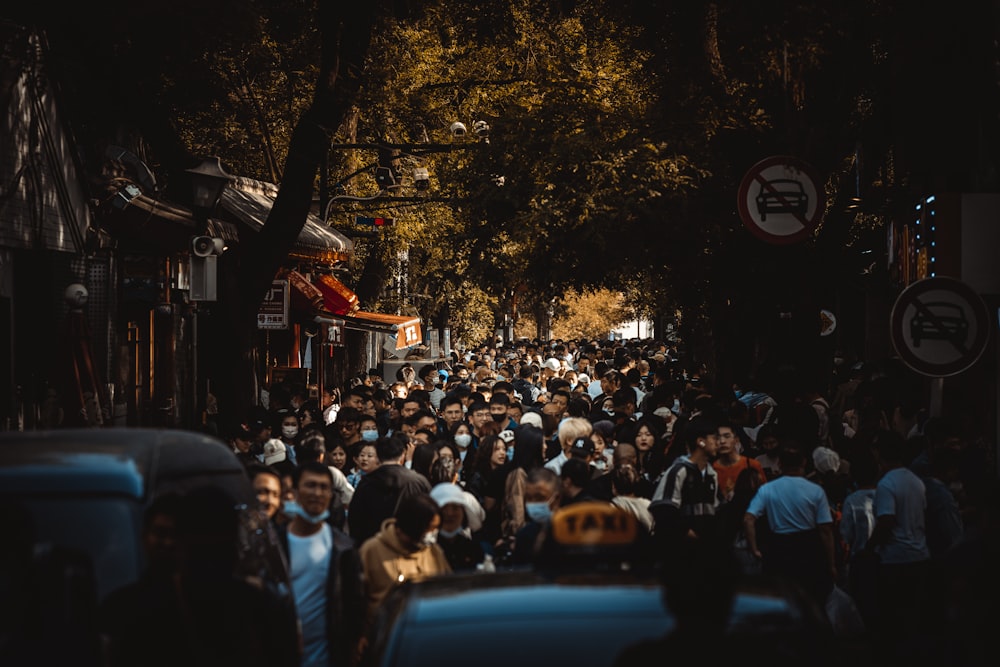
(782, 195)
(939, 320)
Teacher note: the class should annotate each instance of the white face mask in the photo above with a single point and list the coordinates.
(289, 431)
(538, 512)
(429, 538)
(463, 440)
(292, 508)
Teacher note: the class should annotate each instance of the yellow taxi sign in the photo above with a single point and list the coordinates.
(594, 524)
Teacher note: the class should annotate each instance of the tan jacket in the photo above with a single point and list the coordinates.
(385, 563)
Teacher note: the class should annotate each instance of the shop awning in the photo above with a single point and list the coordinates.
(250, 202)
(140, 222)
(315, 297)
(405, 328)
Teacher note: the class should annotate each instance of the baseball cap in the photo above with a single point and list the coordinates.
(552, 364)
(274, 451)
(583, 378)
(582, 447)
(532, 419)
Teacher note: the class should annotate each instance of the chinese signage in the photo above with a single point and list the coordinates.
(273, 310)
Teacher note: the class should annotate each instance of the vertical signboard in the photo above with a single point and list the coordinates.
(273, 310)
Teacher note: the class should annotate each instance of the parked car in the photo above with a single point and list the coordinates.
(86, 490)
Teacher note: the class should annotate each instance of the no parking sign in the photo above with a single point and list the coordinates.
(781, 200)
(939, 326)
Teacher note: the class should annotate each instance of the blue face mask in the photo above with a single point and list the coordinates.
(510, 453)
(538, 512)
(293, 509)
(370, 435)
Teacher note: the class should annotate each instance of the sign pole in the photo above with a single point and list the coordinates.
(937, 397)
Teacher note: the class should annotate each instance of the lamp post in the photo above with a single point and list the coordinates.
(208, 180)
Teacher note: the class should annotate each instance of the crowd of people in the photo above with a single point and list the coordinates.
(881, 514)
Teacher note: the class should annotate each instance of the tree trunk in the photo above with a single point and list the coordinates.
(248, 272)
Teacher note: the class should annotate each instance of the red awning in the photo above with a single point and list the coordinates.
(316, 297)
(338, 298)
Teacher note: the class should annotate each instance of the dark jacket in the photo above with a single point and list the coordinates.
(377, 495)
(345, 598)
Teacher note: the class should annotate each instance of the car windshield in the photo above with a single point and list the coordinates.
(103, 528)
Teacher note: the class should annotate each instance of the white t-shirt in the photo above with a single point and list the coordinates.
(308, 566)
(902, 494)
(792, 504)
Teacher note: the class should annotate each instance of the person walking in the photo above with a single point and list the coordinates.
(380, 490)
(404, 549)
(900, 541)
(324, 571)
(801, 542)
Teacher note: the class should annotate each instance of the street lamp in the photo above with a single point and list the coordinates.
(208, 180)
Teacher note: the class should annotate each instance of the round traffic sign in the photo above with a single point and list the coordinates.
(827, 322)
(781, 200)
(939, 326)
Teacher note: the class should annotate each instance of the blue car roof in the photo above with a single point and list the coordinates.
(117, 461)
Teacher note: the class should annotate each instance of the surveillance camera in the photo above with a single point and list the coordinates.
(458, 129)
(421, 178)
(481, 128)
(76, 296)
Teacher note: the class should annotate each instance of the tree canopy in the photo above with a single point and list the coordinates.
(618, 134)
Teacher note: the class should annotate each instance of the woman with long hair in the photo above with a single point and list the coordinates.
(529, 453)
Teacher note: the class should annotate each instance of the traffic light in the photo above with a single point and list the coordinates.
(374, 222)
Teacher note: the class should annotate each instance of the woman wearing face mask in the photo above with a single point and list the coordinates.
(529, 453)
(405, 549)
(461, 434)
(287, 427)
(461, 517)
(367, 429)
(541, 498)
